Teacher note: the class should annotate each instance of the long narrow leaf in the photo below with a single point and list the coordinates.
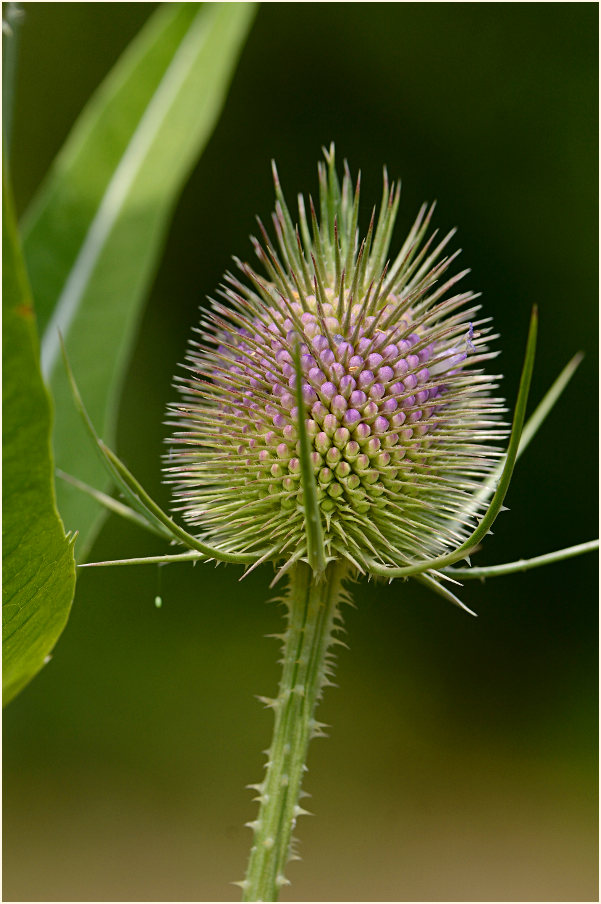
(114, 506)
(177, 532)
(93, 235)
(141, 502)
(151, 523)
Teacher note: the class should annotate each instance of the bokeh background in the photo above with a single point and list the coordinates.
(462, 761)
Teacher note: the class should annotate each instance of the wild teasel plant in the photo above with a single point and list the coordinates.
(335, 420)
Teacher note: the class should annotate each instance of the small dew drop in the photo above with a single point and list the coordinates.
(158, 601)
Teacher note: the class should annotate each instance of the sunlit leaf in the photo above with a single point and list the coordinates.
(93, 235)
(37, 557)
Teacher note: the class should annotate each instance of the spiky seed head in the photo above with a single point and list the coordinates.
(397, 408)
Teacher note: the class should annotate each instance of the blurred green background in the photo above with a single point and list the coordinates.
(462, 762)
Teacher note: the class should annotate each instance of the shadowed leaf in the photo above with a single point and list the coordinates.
(93, 235)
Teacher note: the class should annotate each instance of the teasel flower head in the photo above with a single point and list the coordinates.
(394, 408)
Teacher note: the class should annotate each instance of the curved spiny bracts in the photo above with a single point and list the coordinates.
(398, 413)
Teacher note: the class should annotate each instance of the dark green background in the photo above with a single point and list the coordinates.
(462, 758)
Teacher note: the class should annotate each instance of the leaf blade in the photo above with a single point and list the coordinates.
(37, 558)
(93, 236)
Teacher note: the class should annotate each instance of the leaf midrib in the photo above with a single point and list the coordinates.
(116, 193)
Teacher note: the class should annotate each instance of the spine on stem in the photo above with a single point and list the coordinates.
(313, 618)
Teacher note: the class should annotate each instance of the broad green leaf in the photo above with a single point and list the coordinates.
(93, 236)
(37, 557)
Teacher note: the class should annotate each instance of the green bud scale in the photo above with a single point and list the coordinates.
(397, 408)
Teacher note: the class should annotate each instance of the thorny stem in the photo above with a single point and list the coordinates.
(313, 617)
(491, 571)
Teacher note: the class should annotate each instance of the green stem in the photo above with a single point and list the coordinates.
(312, 618)
(491, 571)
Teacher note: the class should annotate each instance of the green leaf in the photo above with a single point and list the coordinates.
(93, 236)
(37, 557)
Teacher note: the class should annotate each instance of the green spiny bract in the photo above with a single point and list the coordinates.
(396, 406)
